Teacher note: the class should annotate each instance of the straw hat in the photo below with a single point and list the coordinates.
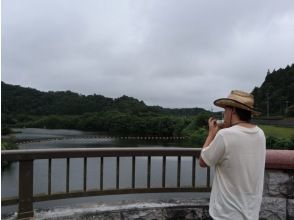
(238, 99)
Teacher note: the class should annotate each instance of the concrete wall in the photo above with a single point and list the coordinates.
(278, 195)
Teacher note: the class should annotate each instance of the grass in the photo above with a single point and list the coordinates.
(8, 145)
(278, 132)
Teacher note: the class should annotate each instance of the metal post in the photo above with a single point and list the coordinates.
(25, 207)
(193, 171)
(163, 171)
(133, 171)
(179, 172)
(148, 172)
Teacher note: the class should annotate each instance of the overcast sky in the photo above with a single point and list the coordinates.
(172, 53)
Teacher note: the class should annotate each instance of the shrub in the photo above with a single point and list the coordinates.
(279, 143)
(5, 130)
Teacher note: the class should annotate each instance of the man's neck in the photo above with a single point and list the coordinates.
(246, 124)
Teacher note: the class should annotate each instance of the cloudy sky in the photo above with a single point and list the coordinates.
(172, 53)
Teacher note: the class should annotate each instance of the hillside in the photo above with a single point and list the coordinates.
(17, 100)
(278, 88)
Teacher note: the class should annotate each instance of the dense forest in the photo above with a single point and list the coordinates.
(27, 107)
(277, 91)
(19, 100)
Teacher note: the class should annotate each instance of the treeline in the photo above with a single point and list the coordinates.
(278, 91)
(19, 100)
(27, 107)
(118, 123)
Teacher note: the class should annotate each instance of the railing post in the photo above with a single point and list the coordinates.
(25, 206)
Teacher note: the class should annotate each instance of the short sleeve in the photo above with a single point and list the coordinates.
(214, 152)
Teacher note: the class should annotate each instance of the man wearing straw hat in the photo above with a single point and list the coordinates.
(238, 153)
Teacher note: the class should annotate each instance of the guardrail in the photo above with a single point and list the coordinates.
(26, 158)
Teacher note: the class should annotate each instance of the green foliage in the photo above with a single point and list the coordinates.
(277, 132)
(17, 100)
(202, 120)
(115, 123)
(199, 121)
(279, 87)
(279, 143)
(198, 137)
(5, 130)
(8, 144)
(26, 107)
(290, 111)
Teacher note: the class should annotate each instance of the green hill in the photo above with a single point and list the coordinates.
(27, 107)
(278, 91)
(20, 100)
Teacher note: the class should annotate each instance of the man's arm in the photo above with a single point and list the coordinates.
(213, 129)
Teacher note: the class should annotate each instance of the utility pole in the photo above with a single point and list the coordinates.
(286, 110)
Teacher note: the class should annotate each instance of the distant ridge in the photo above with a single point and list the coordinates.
(28, 101)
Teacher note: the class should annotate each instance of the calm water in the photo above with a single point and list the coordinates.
(76, 139)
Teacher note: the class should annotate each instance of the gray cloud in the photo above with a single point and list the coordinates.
(169, 53)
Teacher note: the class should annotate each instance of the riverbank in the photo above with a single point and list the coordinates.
(7, 144)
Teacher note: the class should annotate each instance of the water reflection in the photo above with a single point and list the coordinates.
(75, 139)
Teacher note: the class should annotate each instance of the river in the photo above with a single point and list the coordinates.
(45, 138)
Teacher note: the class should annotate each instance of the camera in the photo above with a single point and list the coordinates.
(220, 123)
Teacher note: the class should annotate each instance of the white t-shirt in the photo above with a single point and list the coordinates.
(238, 154)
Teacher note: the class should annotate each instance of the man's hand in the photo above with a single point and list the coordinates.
(213, 129)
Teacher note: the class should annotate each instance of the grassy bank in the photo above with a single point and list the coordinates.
(278, 132)
(278, 137)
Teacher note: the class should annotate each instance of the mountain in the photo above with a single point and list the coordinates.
(27, 101)
(277, 91)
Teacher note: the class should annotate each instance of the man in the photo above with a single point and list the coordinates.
(238, 153)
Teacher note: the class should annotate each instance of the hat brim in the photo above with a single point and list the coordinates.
(233, 103)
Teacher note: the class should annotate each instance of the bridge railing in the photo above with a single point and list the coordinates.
(26, 158)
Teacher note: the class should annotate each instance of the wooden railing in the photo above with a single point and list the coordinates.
(26, 159)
